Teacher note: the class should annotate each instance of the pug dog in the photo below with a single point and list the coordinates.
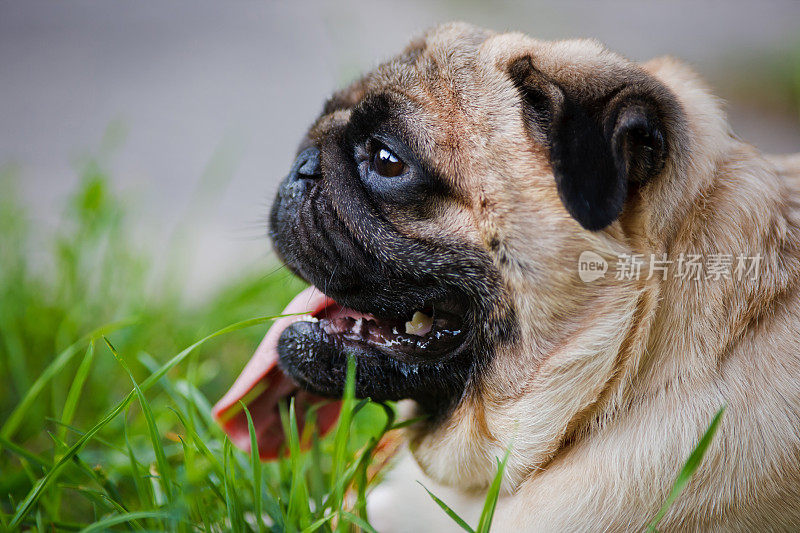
(471, 215)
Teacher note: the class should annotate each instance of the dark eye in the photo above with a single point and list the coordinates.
(386, 163)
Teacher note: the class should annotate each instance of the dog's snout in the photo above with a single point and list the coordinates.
(305, 171)
(307, 165)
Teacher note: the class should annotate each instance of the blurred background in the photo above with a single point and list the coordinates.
(194, 108)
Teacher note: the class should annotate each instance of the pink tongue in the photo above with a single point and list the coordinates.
(262, 386)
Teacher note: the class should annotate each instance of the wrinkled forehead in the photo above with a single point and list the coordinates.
(435, 95)
(447, 52)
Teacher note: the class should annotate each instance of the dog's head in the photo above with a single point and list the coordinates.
(441, 203)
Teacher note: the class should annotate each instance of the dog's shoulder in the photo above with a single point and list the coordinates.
(788, 166)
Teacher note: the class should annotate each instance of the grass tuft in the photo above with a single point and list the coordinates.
(71, 460)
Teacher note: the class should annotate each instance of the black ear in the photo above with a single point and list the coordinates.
(598, 149)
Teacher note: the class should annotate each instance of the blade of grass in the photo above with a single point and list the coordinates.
(688, 470)
(451, 513)
(274, 509)
(360, 405)
(71, 401)
(74, 394)
(355, 520)
(164, 469)
(110, 491)
(102, 498)
(343, 481)
(298, 512)
(60, 525)
(18, 414)
(35, 493)
(341, 484)
(15, 349)
(255, 465)
(47, 503)
(231, 498)
(316, 479)
(22, 452)
(361, 480)
(201, 446)
(105, 524)
(200, 405)
(202, 510)
(166, 384)
(73, 429)
(145, 499)
(492, 495)
(169, 365)
(410, 422)
(194, 474)
(214, 463)
(318, 524)
(343, 432)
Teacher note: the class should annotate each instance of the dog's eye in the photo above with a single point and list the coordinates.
(386, 163)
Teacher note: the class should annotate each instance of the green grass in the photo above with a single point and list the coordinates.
(105, 391)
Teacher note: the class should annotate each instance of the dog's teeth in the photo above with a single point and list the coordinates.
(420, 324)
(308, 318)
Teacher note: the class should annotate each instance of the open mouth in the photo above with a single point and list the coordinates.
(427, 334)
(311, 344)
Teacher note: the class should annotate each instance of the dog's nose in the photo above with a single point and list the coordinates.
(306, 166)
(304, 174)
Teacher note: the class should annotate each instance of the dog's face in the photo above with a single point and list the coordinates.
(443, 201)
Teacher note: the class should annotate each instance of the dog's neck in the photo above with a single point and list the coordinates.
(739, 208)
(643, 338)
